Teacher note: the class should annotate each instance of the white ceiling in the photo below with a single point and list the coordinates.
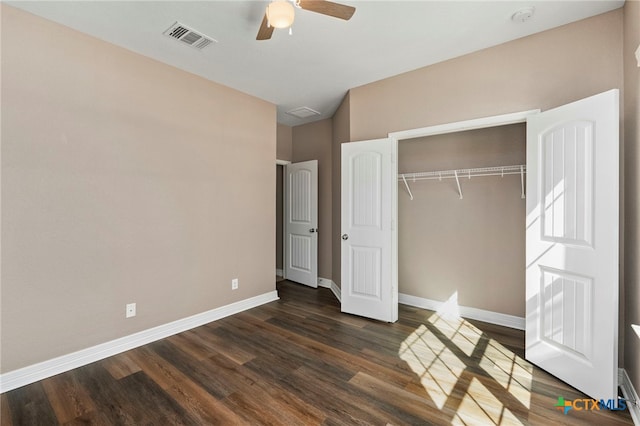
(324, 57)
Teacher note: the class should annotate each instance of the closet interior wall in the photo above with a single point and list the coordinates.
(473, 247)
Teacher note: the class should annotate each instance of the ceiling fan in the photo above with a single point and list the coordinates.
(280, 13)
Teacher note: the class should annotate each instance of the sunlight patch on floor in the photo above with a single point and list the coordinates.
(513, 373)
(459, 331)
(440, 351)
(479, 406)
(435, 364)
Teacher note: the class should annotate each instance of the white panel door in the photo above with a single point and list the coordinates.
(572, 243)
(301, 223)
(369, 240)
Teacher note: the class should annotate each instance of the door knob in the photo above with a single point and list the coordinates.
(345, 237)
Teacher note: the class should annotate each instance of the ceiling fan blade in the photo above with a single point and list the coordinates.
(265, 31)
(328, 8)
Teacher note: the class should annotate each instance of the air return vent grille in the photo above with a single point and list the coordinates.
(303, 112)
(188, 36)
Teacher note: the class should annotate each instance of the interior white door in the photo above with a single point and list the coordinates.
(572, 243)
(369, 238)
(301, 223)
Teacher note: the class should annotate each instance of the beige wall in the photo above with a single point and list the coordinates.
(313, 142)
(109, 196)
(475, 246)
(632, 186)
(341, 129)
(283, 142)
(540, 71)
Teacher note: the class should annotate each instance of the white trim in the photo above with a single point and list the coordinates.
(324, 282)
(327, 283)
(337, 292)
(284, 206)
(630, 395)
(477, 123)
(491, 317)
(33, 373)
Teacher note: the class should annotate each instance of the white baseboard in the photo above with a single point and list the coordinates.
(324, 282)
(336, 291)
(33, 373)
(327, 283)
(279, 273)
(630, 395)
(497, 318)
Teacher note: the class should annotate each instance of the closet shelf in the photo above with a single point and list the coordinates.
(464, 173)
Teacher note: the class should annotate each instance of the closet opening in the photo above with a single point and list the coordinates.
(461, 218)
(464, 254)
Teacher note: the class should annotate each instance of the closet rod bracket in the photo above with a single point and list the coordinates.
(455, 172)
(407, 185)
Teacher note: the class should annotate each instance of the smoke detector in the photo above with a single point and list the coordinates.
(523, 14)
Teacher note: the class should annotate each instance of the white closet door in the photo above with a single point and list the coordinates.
(572, 243)
(369, 250)
(301, 223)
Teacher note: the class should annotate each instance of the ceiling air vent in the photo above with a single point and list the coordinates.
(189, 36)
(303, 112)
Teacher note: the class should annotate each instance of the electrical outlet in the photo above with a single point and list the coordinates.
(234, 284)
(131, 310)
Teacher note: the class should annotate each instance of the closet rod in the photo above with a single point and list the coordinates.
(465, 173)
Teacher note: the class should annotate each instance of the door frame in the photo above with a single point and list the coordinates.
(453, 127)
(283, 163)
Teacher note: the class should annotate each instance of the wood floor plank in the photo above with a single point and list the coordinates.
(258, 411)
(299, 360)
(68, 397)
(152, 404)
(421, 407)
(201, 405)
(93, 418)
(30, 406)
(270, 360)
(292, 355)
(353, 362)
(212, 340)
(107, 394)
(379, 413)
(186, 368)
(157, 368)
(120, 365)
(5, 411)
(269, 393)
(338, 404)
(191, 344)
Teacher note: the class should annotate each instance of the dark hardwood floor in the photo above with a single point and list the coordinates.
(299, 361)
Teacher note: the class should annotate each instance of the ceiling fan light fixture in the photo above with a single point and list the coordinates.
(280, 14)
